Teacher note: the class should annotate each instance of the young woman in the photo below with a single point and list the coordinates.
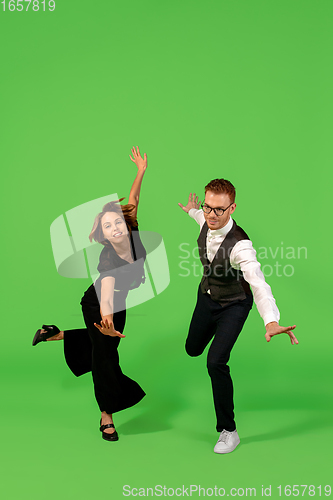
(121, 268)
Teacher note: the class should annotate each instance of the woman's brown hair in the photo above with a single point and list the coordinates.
(127, 211)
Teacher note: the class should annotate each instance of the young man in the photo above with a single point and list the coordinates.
(225, 298)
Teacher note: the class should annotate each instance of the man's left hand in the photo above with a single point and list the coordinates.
(274, 328)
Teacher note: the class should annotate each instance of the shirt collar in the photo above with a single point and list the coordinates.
(223, 231)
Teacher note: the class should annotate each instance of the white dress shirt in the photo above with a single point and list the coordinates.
(243, 257)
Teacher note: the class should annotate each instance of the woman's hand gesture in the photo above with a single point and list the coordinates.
(140, 162)
(107, 328)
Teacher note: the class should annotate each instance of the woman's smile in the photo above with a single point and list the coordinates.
(113, 226)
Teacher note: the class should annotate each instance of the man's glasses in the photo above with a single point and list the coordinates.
(218, 211)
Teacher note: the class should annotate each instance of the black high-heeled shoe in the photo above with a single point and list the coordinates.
(51, 330)
(106, 435)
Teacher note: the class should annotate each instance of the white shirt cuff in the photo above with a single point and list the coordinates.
(269, 317)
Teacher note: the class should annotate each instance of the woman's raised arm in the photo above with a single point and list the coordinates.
(141, 163)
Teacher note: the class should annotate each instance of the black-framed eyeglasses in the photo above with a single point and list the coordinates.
(218, 211)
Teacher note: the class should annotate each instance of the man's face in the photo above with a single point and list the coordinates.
(218, 200)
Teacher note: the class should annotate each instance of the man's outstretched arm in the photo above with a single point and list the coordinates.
(243, 257)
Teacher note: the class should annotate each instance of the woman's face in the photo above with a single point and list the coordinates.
(113, 226)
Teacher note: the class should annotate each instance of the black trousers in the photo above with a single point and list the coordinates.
(87, 349)
(223, 324)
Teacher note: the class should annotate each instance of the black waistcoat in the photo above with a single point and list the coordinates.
(225, 283)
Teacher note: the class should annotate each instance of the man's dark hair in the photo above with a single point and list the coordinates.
(222, 186)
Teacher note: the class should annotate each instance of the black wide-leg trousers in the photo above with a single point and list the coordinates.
(223, 324)
(87, 349)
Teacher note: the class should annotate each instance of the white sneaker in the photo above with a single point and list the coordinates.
(227, 442)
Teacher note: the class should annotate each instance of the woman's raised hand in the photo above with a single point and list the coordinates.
(140, 162)
(107, 328)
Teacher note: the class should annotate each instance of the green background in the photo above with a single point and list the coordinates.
(236, 89)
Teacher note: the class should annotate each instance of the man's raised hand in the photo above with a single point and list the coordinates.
(192, 203)
(275, 329)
